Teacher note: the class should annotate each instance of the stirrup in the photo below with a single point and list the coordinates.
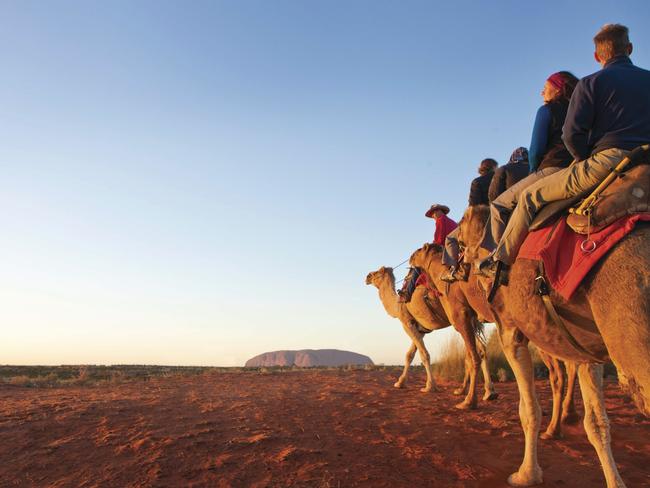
(499, 279)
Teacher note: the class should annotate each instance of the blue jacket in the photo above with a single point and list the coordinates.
(546, 147)
(609, 109)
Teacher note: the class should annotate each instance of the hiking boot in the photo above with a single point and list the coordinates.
(462, 273)
(403, 296)
(490, 267)
(449, 276)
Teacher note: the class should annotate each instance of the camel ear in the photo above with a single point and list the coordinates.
(382, 269)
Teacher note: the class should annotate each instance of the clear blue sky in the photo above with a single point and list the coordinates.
(200, 182)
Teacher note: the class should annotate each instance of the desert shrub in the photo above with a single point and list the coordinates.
(497, 362)
(502, 375)
(499, 366)
(22, 380)
(451, 365)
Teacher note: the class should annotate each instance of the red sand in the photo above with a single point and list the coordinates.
(320, 428)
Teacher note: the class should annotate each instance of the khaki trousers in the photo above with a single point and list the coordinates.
(502, 207)
(576, 180)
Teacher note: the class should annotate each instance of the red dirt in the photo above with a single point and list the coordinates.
(320, 428)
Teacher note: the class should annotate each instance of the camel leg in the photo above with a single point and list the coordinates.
(596, 422)
(569, 412)
(426, 362)
(515, 348)
(410, 354)
(556, 378)
(463, 388)
(472, 358)
(417, 344)
(490, 393)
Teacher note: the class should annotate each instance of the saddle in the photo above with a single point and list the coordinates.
(626, 191)
(628, 194)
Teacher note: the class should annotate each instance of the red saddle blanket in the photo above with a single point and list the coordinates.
(565, 263)
(423, 280)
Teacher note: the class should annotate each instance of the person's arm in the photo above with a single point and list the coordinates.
(437, 234)
(579, 120)
(539, 139)
(498, 184)
(475, 193)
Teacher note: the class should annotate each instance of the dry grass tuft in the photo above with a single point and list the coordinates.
(451, 365)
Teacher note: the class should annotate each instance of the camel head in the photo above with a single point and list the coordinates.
(470, 231)
(424, 255)
(376, 277)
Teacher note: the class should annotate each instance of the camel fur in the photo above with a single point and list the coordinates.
(614, 323)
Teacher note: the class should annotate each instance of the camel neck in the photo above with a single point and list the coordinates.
(389, 298)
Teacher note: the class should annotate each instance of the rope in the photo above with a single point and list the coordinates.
(403, 262)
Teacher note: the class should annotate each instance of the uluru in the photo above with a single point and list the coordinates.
(307, 358)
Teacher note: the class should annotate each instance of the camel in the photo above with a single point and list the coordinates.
(461, 294)
(417, 317)
(611, 320)
(463, 304)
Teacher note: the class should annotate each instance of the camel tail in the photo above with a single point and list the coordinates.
(479, 332)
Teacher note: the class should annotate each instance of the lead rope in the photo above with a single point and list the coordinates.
(400, 264)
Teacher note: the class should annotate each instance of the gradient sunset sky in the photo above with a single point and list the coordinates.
(200, 182)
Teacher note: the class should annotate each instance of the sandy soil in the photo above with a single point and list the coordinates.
(321, 428)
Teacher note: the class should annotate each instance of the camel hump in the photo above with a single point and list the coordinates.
(627, 195)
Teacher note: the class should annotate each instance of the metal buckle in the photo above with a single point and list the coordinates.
(588, 246)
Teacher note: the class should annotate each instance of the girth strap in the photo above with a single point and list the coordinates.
(543, 291)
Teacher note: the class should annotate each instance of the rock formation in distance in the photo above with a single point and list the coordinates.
(306, 358)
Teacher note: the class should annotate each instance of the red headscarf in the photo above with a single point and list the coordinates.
(557, 80)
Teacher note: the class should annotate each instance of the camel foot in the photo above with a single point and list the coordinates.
(399, 385)
(459, 391)
(550, 435)
(489, 396)
(465, 406)
(526, 479)
(570, 419)
(427, 389)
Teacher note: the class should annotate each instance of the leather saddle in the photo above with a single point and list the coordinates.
(628, 194)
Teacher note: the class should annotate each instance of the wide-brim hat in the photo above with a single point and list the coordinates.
(436, 206)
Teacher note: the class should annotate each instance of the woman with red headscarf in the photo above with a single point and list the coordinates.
(547, 153)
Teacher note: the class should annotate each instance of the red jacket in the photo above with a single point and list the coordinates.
(444, 225)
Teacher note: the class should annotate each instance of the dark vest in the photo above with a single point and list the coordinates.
(557, 154)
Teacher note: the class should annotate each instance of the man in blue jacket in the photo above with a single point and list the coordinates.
(609, 115)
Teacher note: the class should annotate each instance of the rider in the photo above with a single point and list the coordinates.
(608, 115)
(510, 173)
(478, 192)
(548, 154)
(478, 195)
(444, 225)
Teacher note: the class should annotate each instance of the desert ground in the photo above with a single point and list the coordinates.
(267, 428)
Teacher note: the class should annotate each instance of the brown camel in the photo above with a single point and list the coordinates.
(608, 315)
(465, 306)
(418, 318)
